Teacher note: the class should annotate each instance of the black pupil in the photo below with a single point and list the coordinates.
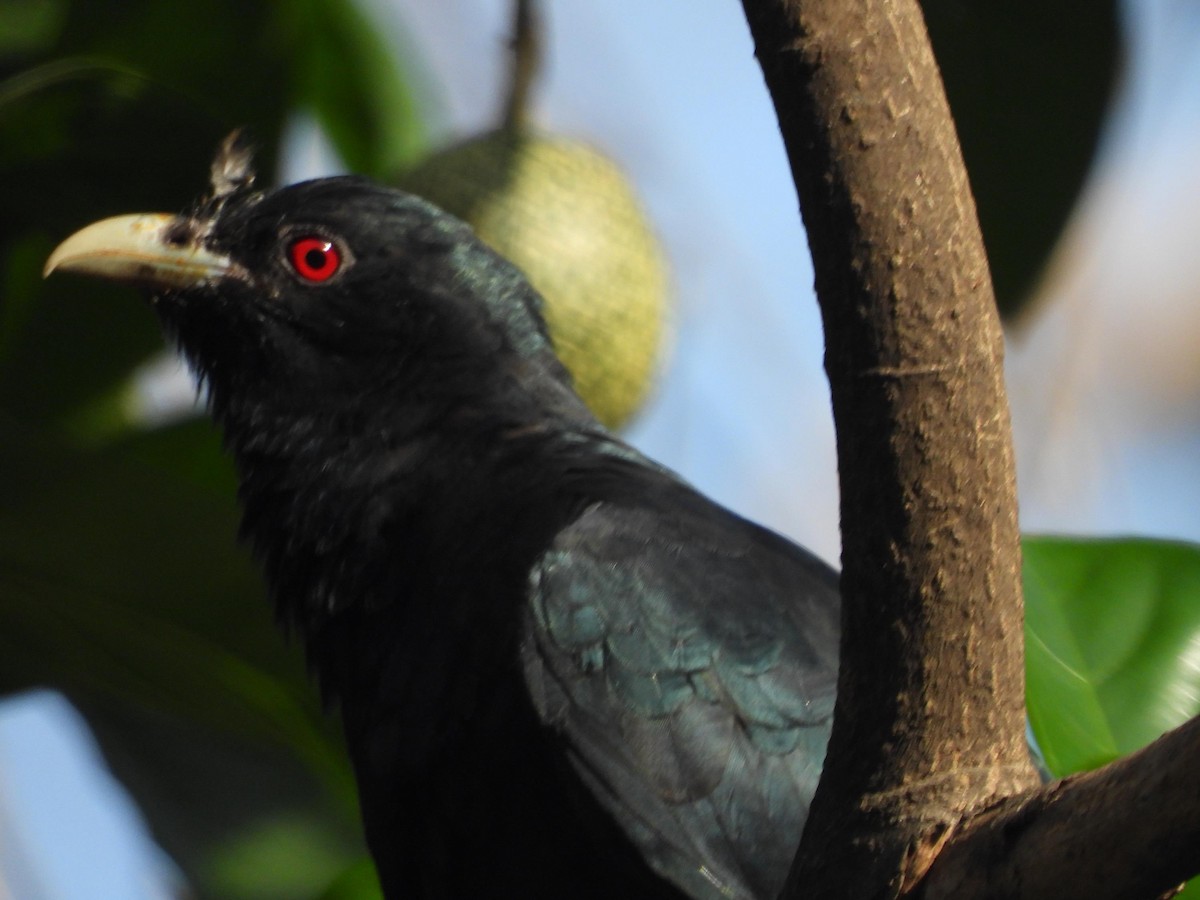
(316, 259)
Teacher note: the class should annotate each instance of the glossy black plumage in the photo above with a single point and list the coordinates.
(562, 671)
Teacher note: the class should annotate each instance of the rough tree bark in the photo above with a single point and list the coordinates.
(1128, 830)
(929, 729)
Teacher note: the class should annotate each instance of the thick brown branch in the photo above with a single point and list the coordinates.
(1120, 831)
(930, 717)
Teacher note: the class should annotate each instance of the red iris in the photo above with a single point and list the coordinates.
(314, 258)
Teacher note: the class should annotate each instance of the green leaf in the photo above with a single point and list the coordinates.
(1029, 84)
(67, 345)
(358, 882)
(1112, 645)
(349, 79)
(285, 856)
(29, 25)
(121, 585)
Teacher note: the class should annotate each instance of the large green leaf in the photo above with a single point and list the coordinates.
(1112, 645)
(1029, 83)
(348, 78)
(121, 584)
(357, 882)
(291, 855)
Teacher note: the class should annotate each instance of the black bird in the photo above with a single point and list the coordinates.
(562, 671)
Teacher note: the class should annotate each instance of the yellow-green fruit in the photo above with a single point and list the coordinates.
(566, 215)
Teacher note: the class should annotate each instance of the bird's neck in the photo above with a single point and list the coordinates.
(346, 509)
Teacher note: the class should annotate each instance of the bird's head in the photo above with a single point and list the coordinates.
(327, 291)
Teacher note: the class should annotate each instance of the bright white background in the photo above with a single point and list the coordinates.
(1104, 375)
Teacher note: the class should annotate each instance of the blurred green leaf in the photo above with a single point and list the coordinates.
(201, 788)
(29, 25)
(1112, 645)
(359, 882)
(122, 577)
(284, 857)
(66, 344)
(1029, 83)
(21, 276)
(120, 583)
(348, 77)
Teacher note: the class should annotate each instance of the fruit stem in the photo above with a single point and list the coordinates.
(526, 61)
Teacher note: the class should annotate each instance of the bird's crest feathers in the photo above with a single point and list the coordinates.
(233, 167)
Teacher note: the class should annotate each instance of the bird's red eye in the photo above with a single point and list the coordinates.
(314, 258)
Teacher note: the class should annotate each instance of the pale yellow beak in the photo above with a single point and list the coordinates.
(135, 249)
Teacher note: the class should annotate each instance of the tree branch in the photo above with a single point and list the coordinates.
(1072, 839)
(930, 717)
(526, 46)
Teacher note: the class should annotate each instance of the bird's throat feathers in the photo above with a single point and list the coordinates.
(367, 506)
